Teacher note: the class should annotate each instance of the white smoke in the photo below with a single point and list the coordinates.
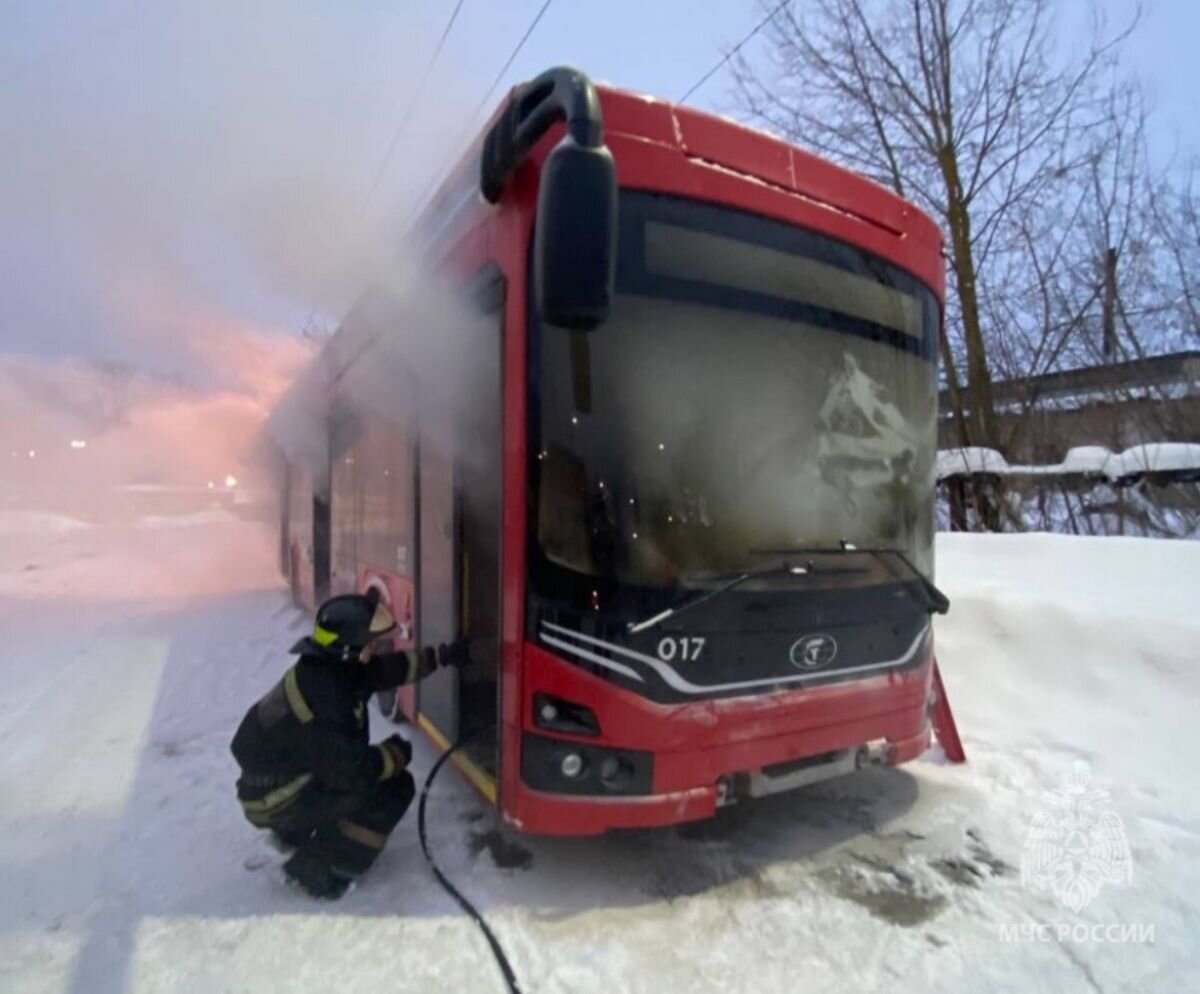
(183, 186)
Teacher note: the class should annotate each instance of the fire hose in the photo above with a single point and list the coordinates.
(510, 978)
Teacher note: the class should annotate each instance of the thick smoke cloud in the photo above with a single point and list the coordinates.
(207, 154)
(182, 186)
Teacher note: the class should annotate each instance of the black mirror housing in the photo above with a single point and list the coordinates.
(575, 233)
(575, 236)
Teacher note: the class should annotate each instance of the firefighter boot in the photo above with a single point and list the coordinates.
(312, 874)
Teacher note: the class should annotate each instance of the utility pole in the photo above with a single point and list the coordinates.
(1108, 345)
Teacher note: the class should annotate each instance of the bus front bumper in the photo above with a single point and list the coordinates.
(545, 813)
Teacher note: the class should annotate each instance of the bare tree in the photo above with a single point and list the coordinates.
(967, 108)
(1176, 216)
(1083, 257)
(1123, 284)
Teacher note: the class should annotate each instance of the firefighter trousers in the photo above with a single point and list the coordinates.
(344, 830)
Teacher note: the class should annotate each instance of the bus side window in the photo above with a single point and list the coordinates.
(345, 506)
(386, 496)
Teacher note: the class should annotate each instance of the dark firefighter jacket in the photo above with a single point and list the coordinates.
(312, 725)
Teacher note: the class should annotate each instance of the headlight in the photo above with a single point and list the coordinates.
(559, 766)
(558, 715)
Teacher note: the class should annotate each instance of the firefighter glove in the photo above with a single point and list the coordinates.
(427, 662)
(456, 653)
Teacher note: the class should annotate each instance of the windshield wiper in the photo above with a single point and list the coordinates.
(934, 600)
(805, 569)
(640, 626)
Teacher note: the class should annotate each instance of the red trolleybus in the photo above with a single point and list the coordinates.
(695, 556)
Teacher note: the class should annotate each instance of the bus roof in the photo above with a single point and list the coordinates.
(720, 142)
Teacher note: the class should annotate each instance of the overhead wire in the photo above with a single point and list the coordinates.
(413, 101)
(458, 141)
(401, 126)
(733, 51)
(511, 59)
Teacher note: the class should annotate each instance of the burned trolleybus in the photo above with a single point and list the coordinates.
(692, 543)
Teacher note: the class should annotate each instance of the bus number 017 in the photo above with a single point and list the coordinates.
(685, 649)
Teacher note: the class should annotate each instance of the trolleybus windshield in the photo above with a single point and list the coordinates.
(757, 386)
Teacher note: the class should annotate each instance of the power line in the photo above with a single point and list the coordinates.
(457, 143)
(733, 51)
(409, 110)
(412, 103)
(511, 59)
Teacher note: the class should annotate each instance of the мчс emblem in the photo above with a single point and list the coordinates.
(813, 651)
(1077, 849)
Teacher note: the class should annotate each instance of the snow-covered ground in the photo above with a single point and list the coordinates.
(130, 651)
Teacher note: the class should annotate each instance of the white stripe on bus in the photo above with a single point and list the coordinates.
(671, 676)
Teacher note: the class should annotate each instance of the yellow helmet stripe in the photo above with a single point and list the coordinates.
(323, 636)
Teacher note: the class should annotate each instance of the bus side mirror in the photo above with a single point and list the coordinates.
(575, 240)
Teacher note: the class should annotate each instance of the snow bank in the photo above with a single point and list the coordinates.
(210, 517)
(1156, 458)
(971, 459)
(38, 522)
(1081, 459)
(1089, 460)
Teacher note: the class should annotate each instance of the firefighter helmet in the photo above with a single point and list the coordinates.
(346, 623)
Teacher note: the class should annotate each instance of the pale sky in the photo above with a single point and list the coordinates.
(212, 155)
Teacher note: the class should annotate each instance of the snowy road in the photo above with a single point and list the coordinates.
(130, 652)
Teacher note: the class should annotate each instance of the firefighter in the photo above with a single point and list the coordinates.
(309, 774)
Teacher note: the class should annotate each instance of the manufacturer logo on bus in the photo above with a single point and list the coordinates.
(813, 652)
